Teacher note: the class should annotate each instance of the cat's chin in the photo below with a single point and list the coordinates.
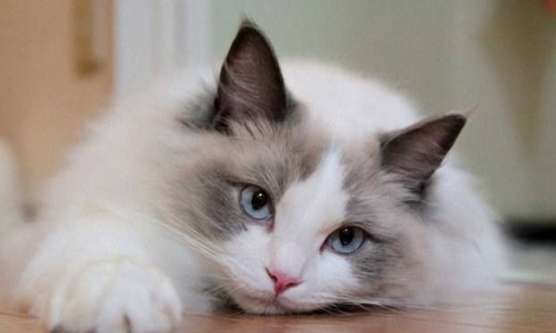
(270, 305)
(259, 305)
(262, 307)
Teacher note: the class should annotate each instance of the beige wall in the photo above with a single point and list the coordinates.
(44, 98)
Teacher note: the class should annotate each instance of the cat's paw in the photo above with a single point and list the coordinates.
(115, 296)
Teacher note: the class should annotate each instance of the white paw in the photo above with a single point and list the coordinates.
(115, 296)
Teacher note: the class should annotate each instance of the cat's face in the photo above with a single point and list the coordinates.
(294, 222)
(300, 231)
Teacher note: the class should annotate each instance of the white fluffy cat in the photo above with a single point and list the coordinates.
(278, 189)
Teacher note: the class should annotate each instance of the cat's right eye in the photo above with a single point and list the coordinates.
(256, 203)
(347, 240)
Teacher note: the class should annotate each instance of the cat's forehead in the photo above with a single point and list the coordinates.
(274, 157)
(346, 184)
(319, 201)
(305, 158)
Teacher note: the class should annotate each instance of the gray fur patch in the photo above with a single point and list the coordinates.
(377, 204)
(258, 153)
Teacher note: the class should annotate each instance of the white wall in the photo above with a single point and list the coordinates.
(154, 36)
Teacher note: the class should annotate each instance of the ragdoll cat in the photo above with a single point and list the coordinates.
(279, 189)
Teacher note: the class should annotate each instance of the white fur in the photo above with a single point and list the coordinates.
(307, 213)
(95, 255)
(353, 108)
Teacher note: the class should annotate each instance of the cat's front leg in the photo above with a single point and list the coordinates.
(96, 276)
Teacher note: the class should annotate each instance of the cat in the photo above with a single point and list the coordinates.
(281, 188)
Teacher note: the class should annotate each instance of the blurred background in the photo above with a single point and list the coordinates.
(62, 61)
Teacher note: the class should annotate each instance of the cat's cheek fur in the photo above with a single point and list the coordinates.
(244, 266)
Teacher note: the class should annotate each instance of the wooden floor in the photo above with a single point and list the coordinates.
(518, 309)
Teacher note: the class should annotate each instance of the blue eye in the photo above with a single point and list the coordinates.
(255, 203)
(347, 240)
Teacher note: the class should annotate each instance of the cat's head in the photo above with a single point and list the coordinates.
(295, 222)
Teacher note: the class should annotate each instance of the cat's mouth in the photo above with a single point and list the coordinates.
(260, 304)
(267, 304)
(270, 305)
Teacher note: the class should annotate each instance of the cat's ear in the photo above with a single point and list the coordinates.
(416, 152)
(250, 84)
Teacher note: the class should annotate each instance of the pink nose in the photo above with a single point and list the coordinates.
(282, 281)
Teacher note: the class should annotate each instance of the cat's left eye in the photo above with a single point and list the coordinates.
(256, 203)
(347, 240)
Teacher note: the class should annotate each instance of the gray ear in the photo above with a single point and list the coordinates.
(416, 152)
(251, 84)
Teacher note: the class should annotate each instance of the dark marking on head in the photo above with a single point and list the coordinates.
(415, 153)
(250, 90)
(251, 84)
